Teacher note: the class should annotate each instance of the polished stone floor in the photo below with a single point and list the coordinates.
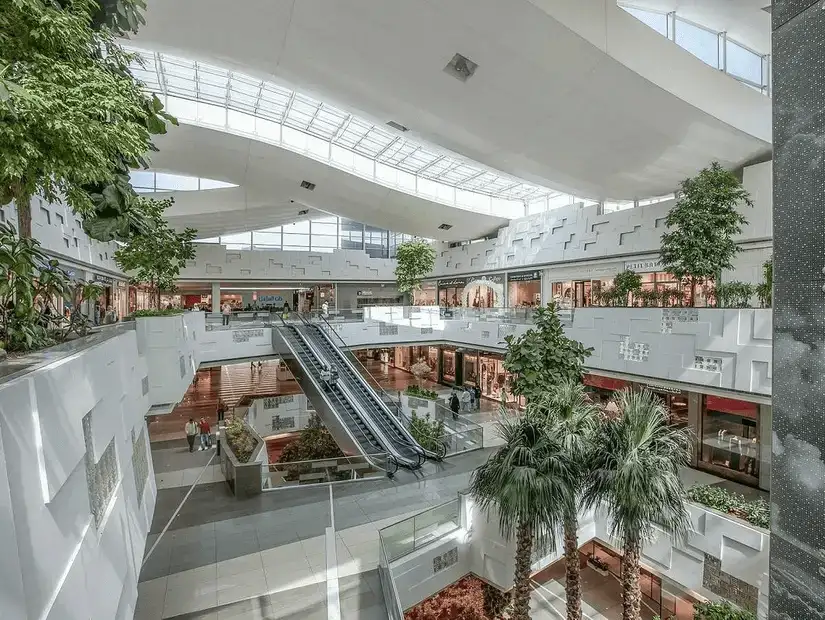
(264, 557)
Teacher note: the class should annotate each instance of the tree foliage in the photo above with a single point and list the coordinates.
(635, 475)
(764, 290)
(698, 244)
(626, 283)
(314, 442)
(427, 432)
(157, 258)
(416, 260)
(76, 118)
(543, 356)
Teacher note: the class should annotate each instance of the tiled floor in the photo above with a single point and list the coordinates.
(264, 558)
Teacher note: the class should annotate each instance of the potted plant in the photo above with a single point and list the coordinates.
(598, 564)
(421, 370)
(415, 260)
(699, 244)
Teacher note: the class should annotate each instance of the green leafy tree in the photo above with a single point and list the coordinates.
(734, 294)
(525, 482)
(634, 473)
(572, 415)
(626, 283)
(315, 442)
(157, 258)
(77, 117)
(416, 260)
(543, 356)
(764, 290)
(699, 242)
(428, 433)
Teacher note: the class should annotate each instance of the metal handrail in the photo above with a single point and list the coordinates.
(345, 427)
(393, 418)
(421, 453)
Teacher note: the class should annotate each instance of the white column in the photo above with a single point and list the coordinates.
(216, 298)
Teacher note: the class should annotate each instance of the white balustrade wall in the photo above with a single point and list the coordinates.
(718, 546)
(723, 348)
(172, 351)
(77, 488)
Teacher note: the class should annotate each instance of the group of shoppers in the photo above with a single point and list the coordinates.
(464, 399)
(198, 430)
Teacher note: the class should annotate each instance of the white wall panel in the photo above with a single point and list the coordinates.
(70, 564)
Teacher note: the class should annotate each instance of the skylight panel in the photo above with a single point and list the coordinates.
(245, 85)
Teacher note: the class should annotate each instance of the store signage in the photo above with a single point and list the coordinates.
(246, 334)
(104, 279)
(524, 276)
(365, 293)
(487, 279)
(274, 300)
(452, 282)
(650, 265)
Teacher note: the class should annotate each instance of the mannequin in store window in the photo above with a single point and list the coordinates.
(734, 445)
(750, 450)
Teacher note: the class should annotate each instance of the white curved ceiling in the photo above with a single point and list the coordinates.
(571, 94)
(270, 192)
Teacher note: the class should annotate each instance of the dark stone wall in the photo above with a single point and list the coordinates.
(797, 572)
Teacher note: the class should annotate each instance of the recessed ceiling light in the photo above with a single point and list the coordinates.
(308, 185)
(445, 227)
(303, 211)
(461, 67)
(397, 126)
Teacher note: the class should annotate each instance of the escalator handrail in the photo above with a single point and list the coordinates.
(401, 433)
(393, 418)
(370, 457)
(387, 442)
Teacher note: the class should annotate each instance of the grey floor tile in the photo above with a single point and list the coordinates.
(376, 612)
(269, 539)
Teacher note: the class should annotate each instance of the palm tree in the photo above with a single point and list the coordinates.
(525, 481)
(635, 476)
(572, 415)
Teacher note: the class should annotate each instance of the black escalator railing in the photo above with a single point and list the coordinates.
(347, 413)
(404, 445)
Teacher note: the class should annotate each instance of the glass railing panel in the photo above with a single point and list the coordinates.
(434, 523)
(399, 538)
(321, 471)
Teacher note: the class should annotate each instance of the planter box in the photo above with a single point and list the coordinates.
(421, 406)
(602, 571)
(244, 479)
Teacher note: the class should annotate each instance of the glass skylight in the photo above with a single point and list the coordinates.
(148, 181)
(204, 94)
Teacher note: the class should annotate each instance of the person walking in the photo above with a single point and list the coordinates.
(465, 400)
(206, 434)
(477, 392)
(226, 311)
(222, 409)
(192, 431)
(325, 309)
(455, 405)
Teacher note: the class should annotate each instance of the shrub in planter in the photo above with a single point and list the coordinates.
(720, 611)
(625, 283)
(428, 433)
(420, 392)
(648, 298)
(598, 563)
(148, 313)
(314, 443)
(240, 439)
(734, 294)
(756, 512)
(764, 290)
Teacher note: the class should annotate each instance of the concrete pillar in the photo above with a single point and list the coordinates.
(216, 297)
(797, 565)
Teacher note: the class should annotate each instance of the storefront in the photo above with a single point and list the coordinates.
(406, 357)
(674, 399)
(730, 438)
(655, 279)
(486, 291)
(326, 293)
(140, 298)
(486, 370)
(602, 389)
(524, 289)
(579, 293)
(427, 295)
(664, 599)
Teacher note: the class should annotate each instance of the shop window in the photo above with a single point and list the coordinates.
(730, 436)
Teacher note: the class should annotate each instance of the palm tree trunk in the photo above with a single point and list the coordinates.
(521, 581)
(573, 581)
(631, 592)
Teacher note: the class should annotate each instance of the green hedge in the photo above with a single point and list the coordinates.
(144, 313)
(420, 392)
(756, 512)
(720, 611)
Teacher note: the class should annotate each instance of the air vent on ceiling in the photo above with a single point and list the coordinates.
(308, 185)
(397, 126)
(445, 227)
(461, 67)
(303, 212)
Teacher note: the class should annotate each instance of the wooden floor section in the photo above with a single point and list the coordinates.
(235, 384)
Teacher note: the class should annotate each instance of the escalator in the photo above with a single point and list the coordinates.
(408, 452)
(339, 410)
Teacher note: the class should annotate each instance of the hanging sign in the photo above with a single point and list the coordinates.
(649, 265)
(524, 276)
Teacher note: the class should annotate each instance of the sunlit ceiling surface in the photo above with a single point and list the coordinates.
(198, 81)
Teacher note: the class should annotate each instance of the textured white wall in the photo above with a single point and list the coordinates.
(62, 564)
(170, 345)
(233, 343)
(263, 411)
(215, 262)
(58, 231)
(578, 233)
(729, 349)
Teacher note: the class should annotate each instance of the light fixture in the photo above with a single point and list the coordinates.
(461, 67)
(445, 227)
(308, 185)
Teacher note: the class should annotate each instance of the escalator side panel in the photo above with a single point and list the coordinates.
(324, 409)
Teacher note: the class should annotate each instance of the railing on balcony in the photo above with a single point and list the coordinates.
(322, 471)
(406, 536)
